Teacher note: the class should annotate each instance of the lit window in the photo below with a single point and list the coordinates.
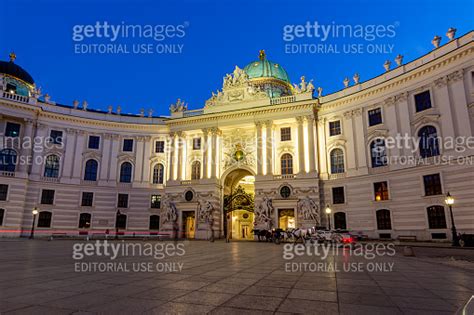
(381, 191)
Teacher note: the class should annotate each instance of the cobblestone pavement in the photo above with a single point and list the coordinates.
(39, 277)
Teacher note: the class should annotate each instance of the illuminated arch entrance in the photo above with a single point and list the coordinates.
(239, 194)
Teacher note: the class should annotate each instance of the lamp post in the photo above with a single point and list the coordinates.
(328, 212)
(117, 215)
(34, 212)
(450, 201)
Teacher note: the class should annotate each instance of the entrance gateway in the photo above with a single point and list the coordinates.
(239, 206)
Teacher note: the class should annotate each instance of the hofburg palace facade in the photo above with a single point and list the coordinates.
(261, 153)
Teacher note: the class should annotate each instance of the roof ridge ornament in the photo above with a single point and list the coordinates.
(262, 56)
(12, 56)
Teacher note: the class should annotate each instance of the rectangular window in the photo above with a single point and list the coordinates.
(122, 201)
(159, 147)
(3, 192)
(12, 130)
(197, 144)
(285, 134)
(375, 116)
(155, 201)
(422, 101)
(338, 195)
(381, 191)
(127, 145)
(47, 197)
(87, 199)
(94, 142)
(334, 128)
(56, 137)
(432, 184)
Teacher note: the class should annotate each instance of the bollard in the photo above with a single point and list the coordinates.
(408, 251)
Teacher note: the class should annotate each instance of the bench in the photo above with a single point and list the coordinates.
(406, 237)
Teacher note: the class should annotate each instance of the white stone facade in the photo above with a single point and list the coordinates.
(241, 119)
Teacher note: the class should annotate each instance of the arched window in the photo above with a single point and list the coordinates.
(436, 217)
(2, 215)
(126, 172)
(85, 220)
(378, 153)
(196, 170)
(44, 219)
(337, 161)
(383, 219)
(154, 222)
(429, 145)
(158, 174)
(340, 221)
(7, 160)
(121, 221)
(91, 170)
(51, 167)
(286, 164)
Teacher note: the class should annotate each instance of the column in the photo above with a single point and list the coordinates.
(105, 162)
(77, 166)
(269, 146)
(359, 132)
(69, 153)
(214, 149)
(146, 160)
(350, 132)
(181, 142)
(442, 100)
(171, 157)
(322, 146)
(259, 126)
(38, 150)
(137, 174)
(461, 111)
(301, 167)
(113, 169)
(27, 151)
(311, 146)
(404, 122)
(205, 152)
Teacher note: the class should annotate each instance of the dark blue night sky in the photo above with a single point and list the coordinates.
(216, 37)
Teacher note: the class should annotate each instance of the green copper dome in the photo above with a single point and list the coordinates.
(264, 68)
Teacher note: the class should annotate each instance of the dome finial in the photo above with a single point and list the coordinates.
(261, 55)
(12, 56)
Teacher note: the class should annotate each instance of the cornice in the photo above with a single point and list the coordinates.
(391, 84)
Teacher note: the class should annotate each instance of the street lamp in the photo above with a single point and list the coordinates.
(328, 212)
(449, 202)
(116, 223)
(34, 212)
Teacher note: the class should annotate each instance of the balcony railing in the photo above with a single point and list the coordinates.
(286, 176)
(7, 174)
(337, 176)
(282, 100)
(15, 97)
(50, 179)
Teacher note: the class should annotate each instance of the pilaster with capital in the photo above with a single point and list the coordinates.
(259, 126)
(180, 142)
(113, 169)
(322, 132)
(215, 152)
(38, 149)
(140, 146)
(172, 153)
(269, 147)
(311, 144)
(106, 147)
(77, 165)
(301, 166)
(350, 133)
(205, 153)
(146, 159)
(360, 138)
(27, 151)
(68, 158)
(458, 101)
